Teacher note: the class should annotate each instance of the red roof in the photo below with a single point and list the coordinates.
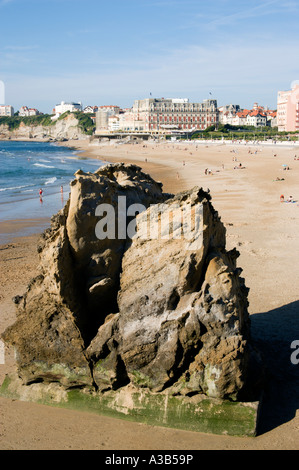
(257, 113)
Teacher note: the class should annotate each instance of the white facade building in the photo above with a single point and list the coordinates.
(25, 111)
(90, 109)
(227, 113)
(256, 119)
(63, 107)
(113, 123)
(129, 123)
(240, 119)
(6, 110)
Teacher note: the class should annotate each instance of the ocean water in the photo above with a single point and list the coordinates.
(27, 167)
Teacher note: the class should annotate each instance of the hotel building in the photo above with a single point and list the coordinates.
(171, 114)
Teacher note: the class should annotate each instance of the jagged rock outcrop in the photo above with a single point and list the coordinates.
(161, 307)
(182, 318)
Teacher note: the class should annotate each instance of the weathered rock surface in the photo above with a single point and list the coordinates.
(162, 310)
(63, 129)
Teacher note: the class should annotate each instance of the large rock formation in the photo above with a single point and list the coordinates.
(165, 309)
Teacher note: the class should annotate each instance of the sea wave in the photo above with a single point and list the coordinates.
(15, 187)
(51, 180)
(42, 165)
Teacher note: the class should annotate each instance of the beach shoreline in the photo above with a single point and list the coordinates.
(264, 231)
(35, 184)
(11, 230)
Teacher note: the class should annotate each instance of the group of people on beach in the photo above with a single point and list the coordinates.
(290, 199)
(41, 192)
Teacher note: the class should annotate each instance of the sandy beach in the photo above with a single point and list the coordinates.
(245, 182)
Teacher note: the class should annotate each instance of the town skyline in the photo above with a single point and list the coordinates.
(156, 114)
(95, 52)
(114, 103)
(130, 105)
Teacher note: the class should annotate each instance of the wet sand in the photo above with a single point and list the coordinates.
(11, 229)
(264, 230)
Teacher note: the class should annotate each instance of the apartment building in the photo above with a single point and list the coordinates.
(172, 114)
(6, 110)
(288, 110)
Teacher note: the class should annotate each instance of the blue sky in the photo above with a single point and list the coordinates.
(101, 52)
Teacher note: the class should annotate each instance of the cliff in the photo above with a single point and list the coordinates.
(68, 126)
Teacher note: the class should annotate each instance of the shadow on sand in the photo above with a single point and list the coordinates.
(273, 333)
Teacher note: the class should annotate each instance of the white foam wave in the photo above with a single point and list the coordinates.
(44, 166)
(51, 180)
(14, 187)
